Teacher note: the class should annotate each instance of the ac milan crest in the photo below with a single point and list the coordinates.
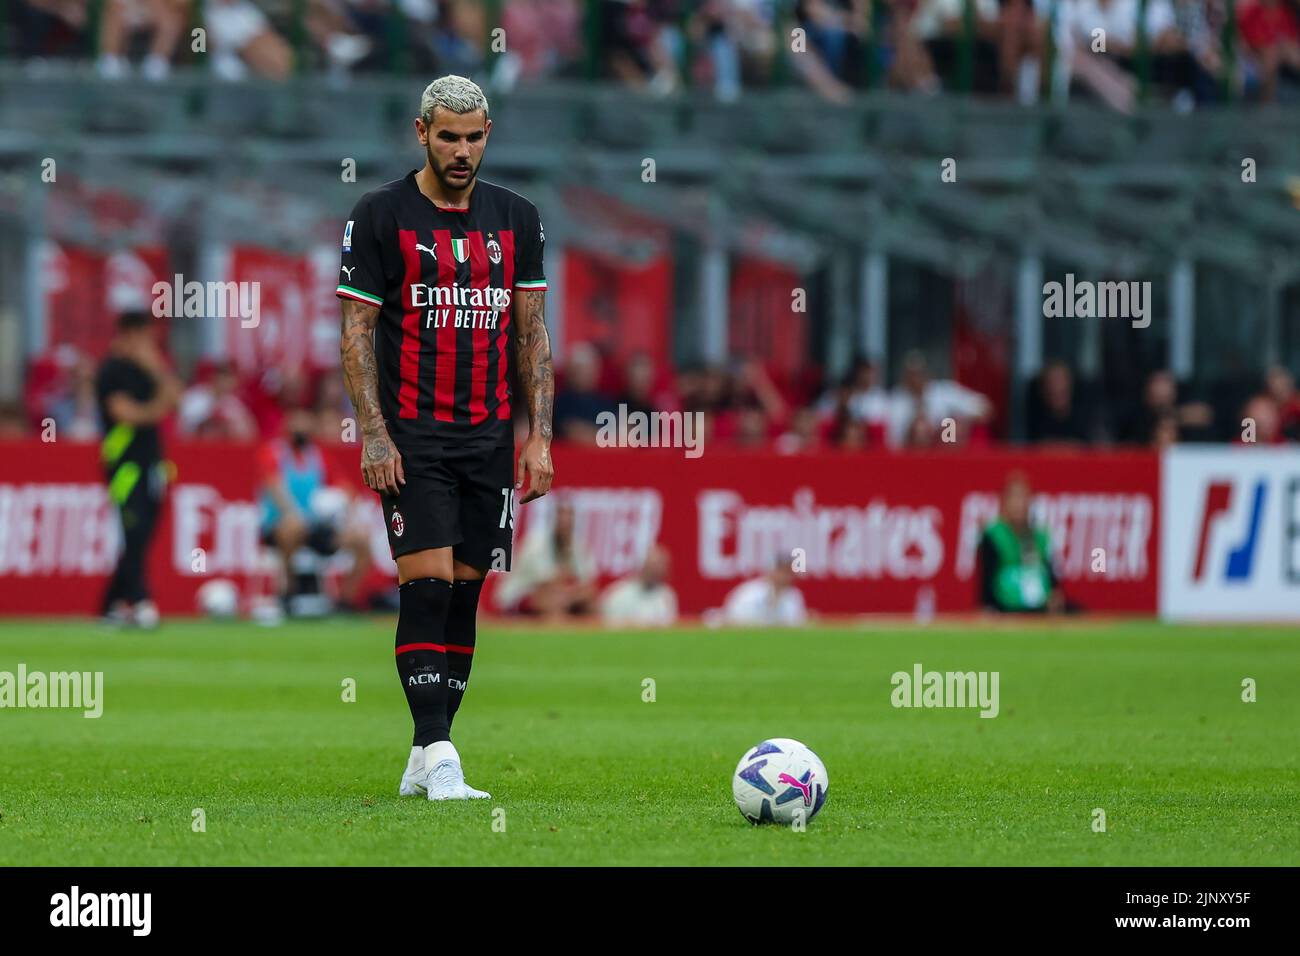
(398, 523)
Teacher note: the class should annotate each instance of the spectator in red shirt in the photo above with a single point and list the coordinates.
(803, 436)
(1281, 387)
(1261, 415)
(751, 427)
(214, 409)
(1272, 36)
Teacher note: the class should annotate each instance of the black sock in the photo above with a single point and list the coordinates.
(461, 619)
(422, 656)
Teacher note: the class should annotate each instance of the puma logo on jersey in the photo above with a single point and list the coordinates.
(346, 271)
(420, 248)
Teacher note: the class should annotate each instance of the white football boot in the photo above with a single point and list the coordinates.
(443, 778)
(411, 785)
(473, 794)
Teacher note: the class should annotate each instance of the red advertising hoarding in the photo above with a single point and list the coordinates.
(872, 530)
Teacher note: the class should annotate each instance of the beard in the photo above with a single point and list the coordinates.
(441, 172)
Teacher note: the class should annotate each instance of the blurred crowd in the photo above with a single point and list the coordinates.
(742, 405)
(724, 46)
(242, 38)
(1163, 412)
(218, 402)
(917, 45)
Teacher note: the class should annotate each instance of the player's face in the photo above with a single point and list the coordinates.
(454, 144)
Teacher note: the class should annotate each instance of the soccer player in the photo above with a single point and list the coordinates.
(136, 391)
(443, 291)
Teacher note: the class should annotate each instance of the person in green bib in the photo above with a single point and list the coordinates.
(1015, 558)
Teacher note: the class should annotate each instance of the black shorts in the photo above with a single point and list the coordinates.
(462, 498)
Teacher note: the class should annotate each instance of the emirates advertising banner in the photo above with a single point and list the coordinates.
(875, 533)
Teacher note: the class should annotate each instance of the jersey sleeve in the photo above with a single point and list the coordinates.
(361, 272)
(529, 274)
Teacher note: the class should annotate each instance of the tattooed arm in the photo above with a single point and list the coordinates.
(381, 465)
(537, 382)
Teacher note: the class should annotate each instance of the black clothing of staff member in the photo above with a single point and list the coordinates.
(135, 392)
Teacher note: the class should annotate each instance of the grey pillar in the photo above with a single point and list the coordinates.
(1182, 317)
(874, 315)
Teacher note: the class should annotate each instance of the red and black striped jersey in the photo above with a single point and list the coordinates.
(444, 280)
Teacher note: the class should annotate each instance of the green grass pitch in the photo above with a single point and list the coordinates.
(1142, 720)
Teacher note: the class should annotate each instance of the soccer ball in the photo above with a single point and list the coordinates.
(778, 780)
(218, 598)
